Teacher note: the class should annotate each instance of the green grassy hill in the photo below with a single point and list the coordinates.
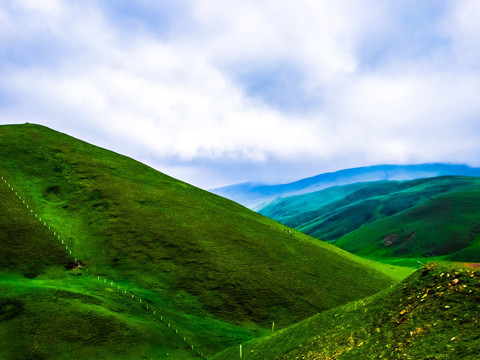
(218, 273)
(436, 217)
(433, 314)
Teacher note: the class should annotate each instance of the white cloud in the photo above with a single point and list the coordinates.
(180, 98)
(463, 28)
(410, 117)
(315, 35)
(162, 96)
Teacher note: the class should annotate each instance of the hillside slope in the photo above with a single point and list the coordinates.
(18, 253)
(255, 196)
(433, 314)
(52, 309)
(218, 271)
(419, 218)
(76, 317)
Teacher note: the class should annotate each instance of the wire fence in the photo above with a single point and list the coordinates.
(153, 311)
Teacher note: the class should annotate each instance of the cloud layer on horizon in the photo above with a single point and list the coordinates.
(220, 92)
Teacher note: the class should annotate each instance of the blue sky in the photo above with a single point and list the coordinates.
(220, 92)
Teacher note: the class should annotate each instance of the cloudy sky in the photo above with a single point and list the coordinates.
(216, 92)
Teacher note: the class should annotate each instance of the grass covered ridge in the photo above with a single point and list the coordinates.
(433, 314)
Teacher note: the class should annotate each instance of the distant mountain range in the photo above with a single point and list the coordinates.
(257, 195)
(391, 221)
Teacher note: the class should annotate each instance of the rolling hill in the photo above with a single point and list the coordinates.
(433, 314)
(103, 256)
(391, 220)
(257, 195)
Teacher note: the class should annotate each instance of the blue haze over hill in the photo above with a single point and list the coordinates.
(256, 195)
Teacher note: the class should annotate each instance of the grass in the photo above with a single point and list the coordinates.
(392, 221)
(219, 272)
(27, 247)
(77, 318)
(446, 227)
(433, 314)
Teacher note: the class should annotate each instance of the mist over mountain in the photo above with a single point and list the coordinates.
(256, 195)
